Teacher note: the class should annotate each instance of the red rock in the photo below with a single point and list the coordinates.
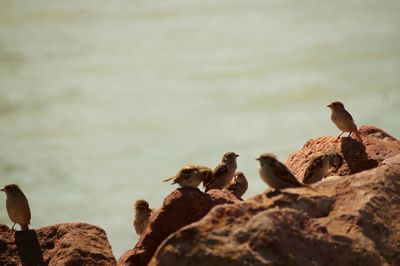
(61, 244)
(180, 208)
(379, 145)
(349, 219)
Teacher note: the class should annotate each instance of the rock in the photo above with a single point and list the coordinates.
(349, 219)
(60, 244)
(379, 145)
(180, 208)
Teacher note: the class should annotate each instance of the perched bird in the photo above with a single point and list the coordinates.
(239, 185)
(276, 174)
(223, 172)
(343, 120)
(17, 206)
(142, 216)
(190, 175)
(319, 165)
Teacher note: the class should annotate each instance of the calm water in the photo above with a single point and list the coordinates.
(100, 101)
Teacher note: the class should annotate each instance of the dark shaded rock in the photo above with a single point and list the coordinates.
(378, 146)
(349, 219)
(61, 244)
(180, 208)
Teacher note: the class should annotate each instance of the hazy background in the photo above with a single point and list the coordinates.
(99, 101)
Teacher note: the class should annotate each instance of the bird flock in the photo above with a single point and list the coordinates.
(224, 176)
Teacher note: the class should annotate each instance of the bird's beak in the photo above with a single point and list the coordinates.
(329, 105)
(258, 158)
(237, 155)
(3, 189)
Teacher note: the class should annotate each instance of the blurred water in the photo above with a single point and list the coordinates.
(100, 101)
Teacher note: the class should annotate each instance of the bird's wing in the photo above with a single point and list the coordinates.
(221, 169)
(283, 172)
(232, 186)
(185, 173)
(348, 115)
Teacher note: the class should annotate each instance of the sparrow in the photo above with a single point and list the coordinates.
(343, 120)
(223, 172)
(319, 165)
(17, 206)
(190, 175)
(142, 216)
(276, 174)
(238, 185)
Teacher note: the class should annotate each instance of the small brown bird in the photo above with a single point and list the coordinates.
(142, 216)
(319, 165)
(276, 174)
(239, 185)
(343, 120)
(223, 172)
(190, 175)
(17, 206)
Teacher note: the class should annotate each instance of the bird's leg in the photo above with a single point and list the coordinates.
(350, 134)
(12, 228)
(340, 135)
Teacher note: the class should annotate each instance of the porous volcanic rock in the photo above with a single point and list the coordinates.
(348, 220)
(180, 208)
(60, 244)
(378, 146)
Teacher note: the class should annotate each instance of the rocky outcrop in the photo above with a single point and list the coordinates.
(182, 207)
(61, 244)
(352, 218)
(378, 146)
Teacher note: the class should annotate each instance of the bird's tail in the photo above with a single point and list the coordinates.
(358, 137)
(168, 179)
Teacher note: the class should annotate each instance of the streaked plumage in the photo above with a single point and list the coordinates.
(142, 216)
(223, 172)
(343, 120)
(276, 174)
(190, 175)
(239, 185)
(17, 206)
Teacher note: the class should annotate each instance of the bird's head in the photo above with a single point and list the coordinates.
(266, 158)
(336, 160)
(240, 178)
(141, 205)
(229, 157)
(11, 189)
(335, 106)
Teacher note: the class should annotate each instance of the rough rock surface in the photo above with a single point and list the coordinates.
(378, 145)
(182, 207)
(349, 219)
(61, 244)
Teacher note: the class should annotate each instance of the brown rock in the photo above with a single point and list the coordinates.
(349, 220)
(379, 145)
(180, 208)
(61, 244)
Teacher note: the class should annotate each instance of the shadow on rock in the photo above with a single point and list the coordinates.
(355, 155)
(180, 208)
(28, 248)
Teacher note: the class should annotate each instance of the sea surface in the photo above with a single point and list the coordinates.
(99, 101)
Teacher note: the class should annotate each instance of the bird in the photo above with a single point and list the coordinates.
(343, 120)
(319, 165)
(223, 172)
(142, 216)
(276, 174)
(238, 185)
(17, 206)
(190, 175)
